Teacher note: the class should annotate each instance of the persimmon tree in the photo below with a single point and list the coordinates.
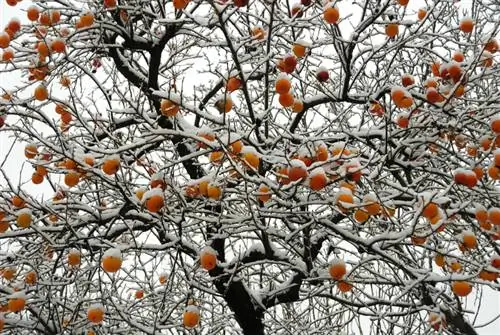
(250, 167)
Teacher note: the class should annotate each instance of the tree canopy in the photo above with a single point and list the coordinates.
(249, 166)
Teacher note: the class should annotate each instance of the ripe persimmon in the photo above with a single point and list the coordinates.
(214, 192)
(286, 100)
(344, 286)
(331, 15)
(112, 260)
(74, 258)
(41, 93)
(17, 302)
(33, 13)
(58, 45)
(24, 218)
(31, 278)
(317, 179)
(71, 179)
(169, 108)
(461, 288)
(208, 259)
(422, 13)
(264, 193)
(392, 29)
(111, 165)
(297, 170)
(233, 84)
(337, 269)
(466, 25)
(95, 314)
(155, 202)
(282, 85)
(4, 40)
(191, 316)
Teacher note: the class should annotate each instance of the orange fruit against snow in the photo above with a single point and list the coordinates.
(58, 45)
(433, 96)
(224, 104)
(4, 225)
(494, 215)
(439, 260)
(233, 84)
(297, 106)
(337, 269)
(401, 97)
(33, 13)
(286, 100)
(258, 33)
(9, 273)
(95, 314)
(214, 192)
(236, 147)
(111, 165)
(112, 260)
(488, 275)
(322, 153)
(74, 258)
(282, 176)
(331, 15)
(17, 201)
(461, 288)
(465, 177)
(282, 85)
(422, 12)
(299, 50)
(7, 55)
(17, 302)
(30, 151)
(361, 216)
(169, 108)
(297, 170)
(458, 56)
(4, 40)
(407, 80)
(163, 278)
(31, 278)
(469, 240)
(203, 188)
(372, 206)
(392, 29)
(41, 93)
(495, 125)
(318, 179)
(216, 156)
(14, 25)
(180, 4)
(208, 259)
(24, 218)
(139, 294)
(72, 179)
(491, 46)
(110, 3)
(250, 157)
(344, 286)
(191, 316)
(466, 25)
(155, 202)
(86, 20)
(430, 210)
(264, 193)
